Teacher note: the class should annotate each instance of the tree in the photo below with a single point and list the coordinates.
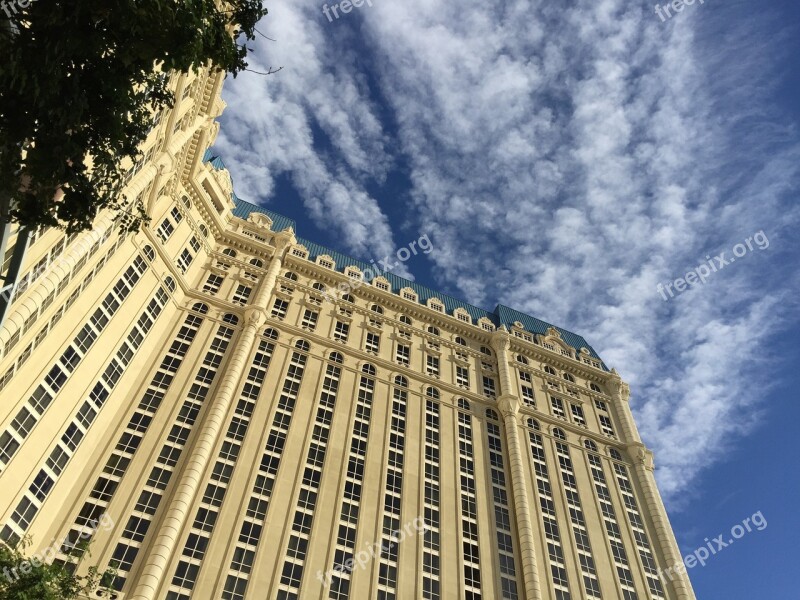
(79, 82)
(31, 578)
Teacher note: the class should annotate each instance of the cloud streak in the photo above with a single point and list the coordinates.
(578, 154)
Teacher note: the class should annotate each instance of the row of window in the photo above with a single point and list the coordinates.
(569, 488)
(188, 567)
(77, 429)
(555, 551)
(41, 398)
(502, 512)
(66, 304)
(302, 522)
(147, 503)
(591, 585)
(393, 494)
(469, 507)
(344, 551)
(261, 493)
(42, 265)
(118, 462)
(431, 585)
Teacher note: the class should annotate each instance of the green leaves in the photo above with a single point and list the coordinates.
(32, 578)
(79, 79)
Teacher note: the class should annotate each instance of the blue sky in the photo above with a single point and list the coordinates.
(566, 158)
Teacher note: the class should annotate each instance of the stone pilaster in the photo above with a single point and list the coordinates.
(53, 276)
(509, 403)
(163, 548)
(644, 469)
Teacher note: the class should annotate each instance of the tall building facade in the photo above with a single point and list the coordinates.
(229, 411)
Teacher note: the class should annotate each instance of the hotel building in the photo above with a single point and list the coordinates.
(230, 411)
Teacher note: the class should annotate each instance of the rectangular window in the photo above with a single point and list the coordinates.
(213, 284)
(373, 342)
(606, 426)
(432, 365)
(462, 376)
(165, 230)
(176, 214)
(184, 260)
(403, 355)
(527, 396)
(489, 387)
(242, 294)
(195, 245)
(577, 415)
(341, 331)
(558, 407)
(279, 309)
(309, 320)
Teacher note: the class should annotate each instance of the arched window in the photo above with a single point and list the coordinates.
(549, 370)
(318, 286)
(203, 230)
(405, 320)
(256, 262)
(521, 359)
(170, 283)
(290, 276)
(186, 202)
(569, 378)
(486, 351)
(335, 357)
(432, 392)
(368, 369)
(463, 404)
(490, 414)
(302, 345)
(229, 252)
(200, 308)
(594, 387)
(231, 319)
(557, 433)
(348, 298)
(433, 330)
(614, 453)
(533, 424)
(401, 381)
(149, 253)
(460, 341)
(376, 308)
(271, 333)
(590, 445)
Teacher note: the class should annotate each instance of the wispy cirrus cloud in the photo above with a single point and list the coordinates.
(566, 159)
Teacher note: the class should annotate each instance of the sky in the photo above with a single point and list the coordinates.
(567, 159)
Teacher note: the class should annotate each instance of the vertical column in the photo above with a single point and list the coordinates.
(644, 468)
(508, 403)
(54, 275)
(163, 547)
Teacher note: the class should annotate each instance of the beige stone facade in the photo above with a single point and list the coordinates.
(205, 402)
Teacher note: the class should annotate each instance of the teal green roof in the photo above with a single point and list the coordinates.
(502, 315)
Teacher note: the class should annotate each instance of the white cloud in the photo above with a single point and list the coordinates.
(579, 154)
